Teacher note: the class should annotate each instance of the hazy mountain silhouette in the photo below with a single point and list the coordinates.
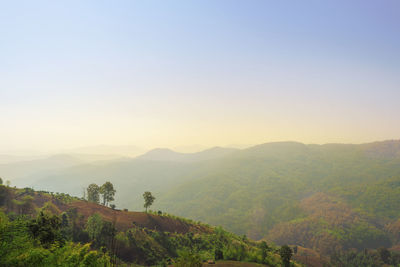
(165, 154)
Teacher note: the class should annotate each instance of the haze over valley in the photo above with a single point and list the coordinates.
(258, 191)
(195, 133)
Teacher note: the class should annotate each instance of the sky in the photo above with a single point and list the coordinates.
(197, 73)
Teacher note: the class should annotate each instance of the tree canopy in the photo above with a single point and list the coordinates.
(286, 254)
(107, 191)
(148, 199)
(93, 192)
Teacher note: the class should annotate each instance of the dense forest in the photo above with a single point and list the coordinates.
(329, 198)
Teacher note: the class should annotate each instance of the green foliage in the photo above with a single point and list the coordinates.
(188, 259)
(63, 198)
(100, 232)
(286, 254)
(36, 243)
(93, 227)
(380, 198)
(107, 190)
(5, 196)
(25, 205)
(367, 258)
(362, 235)
(50, 207)
(148, 199)
(45, 228)
(264, 251)
(72, 223)
(151, 247)
(46, 241)
(260, 189)
(93, 192)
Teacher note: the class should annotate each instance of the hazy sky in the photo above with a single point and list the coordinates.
(178, 73)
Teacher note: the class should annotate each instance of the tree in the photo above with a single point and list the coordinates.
(8, 183)
(93, 191)
(66, 227)
(107, 234)
(84, 193)
(188, 259)
(286, 254)
(107, 190)
(264, 249)
(24, 206)
(46, 229)
(101, 233)
(148, 199)
(218, 253)
(1, 181)
(94, 226)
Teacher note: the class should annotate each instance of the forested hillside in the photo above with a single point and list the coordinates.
(325, 197)
(47, 229)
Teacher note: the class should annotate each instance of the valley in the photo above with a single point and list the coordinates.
(323, 197)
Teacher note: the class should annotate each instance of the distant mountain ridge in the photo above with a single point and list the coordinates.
(260, 191)
(17, 170)
(262, 188)
(121, 150)
(165, 154)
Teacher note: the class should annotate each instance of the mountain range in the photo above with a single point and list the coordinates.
(324, 197)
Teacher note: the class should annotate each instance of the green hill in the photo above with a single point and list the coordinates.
(46, 229)
(269, 191)
(266, 191)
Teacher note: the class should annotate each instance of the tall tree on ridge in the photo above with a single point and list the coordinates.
(93, 191)
(107, 190)
(148, 199)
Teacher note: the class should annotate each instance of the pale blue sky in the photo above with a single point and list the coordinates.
(171, 73)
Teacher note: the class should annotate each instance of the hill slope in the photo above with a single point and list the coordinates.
(43, 224)
(261, 192)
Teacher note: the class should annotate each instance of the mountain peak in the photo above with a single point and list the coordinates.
(166, 154)
(161, 154)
